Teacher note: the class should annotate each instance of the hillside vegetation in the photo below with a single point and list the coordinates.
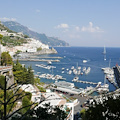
(51, 41)
(12, 40)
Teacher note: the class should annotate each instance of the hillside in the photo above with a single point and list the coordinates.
(3, 27)
(11, 38)
(51, 41)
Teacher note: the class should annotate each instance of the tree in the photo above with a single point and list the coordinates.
(109, 109)
(25, 102)
(22, 75)
(47, 112)
(26, 36)
(1, 36)
(30, 75)
(6, 59)
(8, 98)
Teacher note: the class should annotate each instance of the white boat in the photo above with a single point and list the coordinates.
(70, 72)
(78, 72)
(102, 87)
(79, 68)
(72, 67)
(49, 62)
(75, 71)
(75, 79)
(84, 69)
(63, 68)
(84, 61)
(87, 70)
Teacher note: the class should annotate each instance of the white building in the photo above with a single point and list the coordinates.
(56, 99)
(36, 95)
(4, 32)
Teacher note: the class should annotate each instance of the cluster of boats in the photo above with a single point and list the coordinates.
(77, 71)
(52, 77)
(45, 66)
(102, 87)
(109, 74)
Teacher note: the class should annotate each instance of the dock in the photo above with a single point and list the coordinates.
(85, 82)
(36, 60)
(45, 57)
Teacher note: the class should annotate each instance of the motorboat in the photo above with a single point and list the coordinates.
(49, 62)
(84, 61)
(75, 79)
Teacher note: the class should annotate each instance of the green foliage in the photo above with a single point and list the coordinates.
(13, 41)
(10, 104)
(1, 36)
(41, 89)
(17, 53)
(37, 80)
(28, 95)
(108, 110)
(22, 75)
(51, 41)
(26, 36)
(6, 59)
(25, 102)
(30, 75)
(2, 81)
(39, 49)
(45, 113)
(2, 27)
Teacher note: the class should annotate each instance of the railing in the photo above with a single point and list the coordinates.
(5, 68)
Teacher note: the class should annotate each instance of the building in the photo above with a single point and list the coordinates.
(67, 87)
(56, 99)
(36, 95)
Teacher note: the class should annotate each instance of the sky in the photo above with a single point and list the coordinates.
(87, 23)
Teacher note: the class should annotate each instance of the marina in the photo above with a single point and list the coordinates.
(51, 76)
(68, 69)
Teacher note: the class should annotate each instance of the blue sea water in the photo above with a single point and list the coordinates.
(73, 55)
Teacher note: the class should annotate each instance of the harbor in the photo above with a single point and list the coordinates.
(71, 65)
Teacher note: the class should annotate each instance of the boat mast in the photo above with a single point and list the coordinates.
(104, 52)
(109, 63)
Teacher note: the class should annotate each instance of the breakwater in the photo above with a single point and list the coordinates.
(40, 60)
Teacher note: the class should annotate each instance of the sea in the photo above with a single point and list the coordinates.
(74, 56)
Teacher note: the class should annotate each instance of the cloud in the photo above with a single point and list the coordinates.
(77, 28)
(37, 11)
(7, 19)
(91, 28)
(62, 26)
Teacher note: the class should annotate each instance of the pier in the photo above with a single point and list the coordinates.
(36, 60)
(45, 57)
(85, 82)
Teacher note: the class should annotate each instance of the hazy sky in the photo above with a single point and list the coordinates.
(78, 22)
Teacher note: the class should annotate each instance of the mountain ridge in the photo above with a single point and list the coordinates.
(51, 41)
